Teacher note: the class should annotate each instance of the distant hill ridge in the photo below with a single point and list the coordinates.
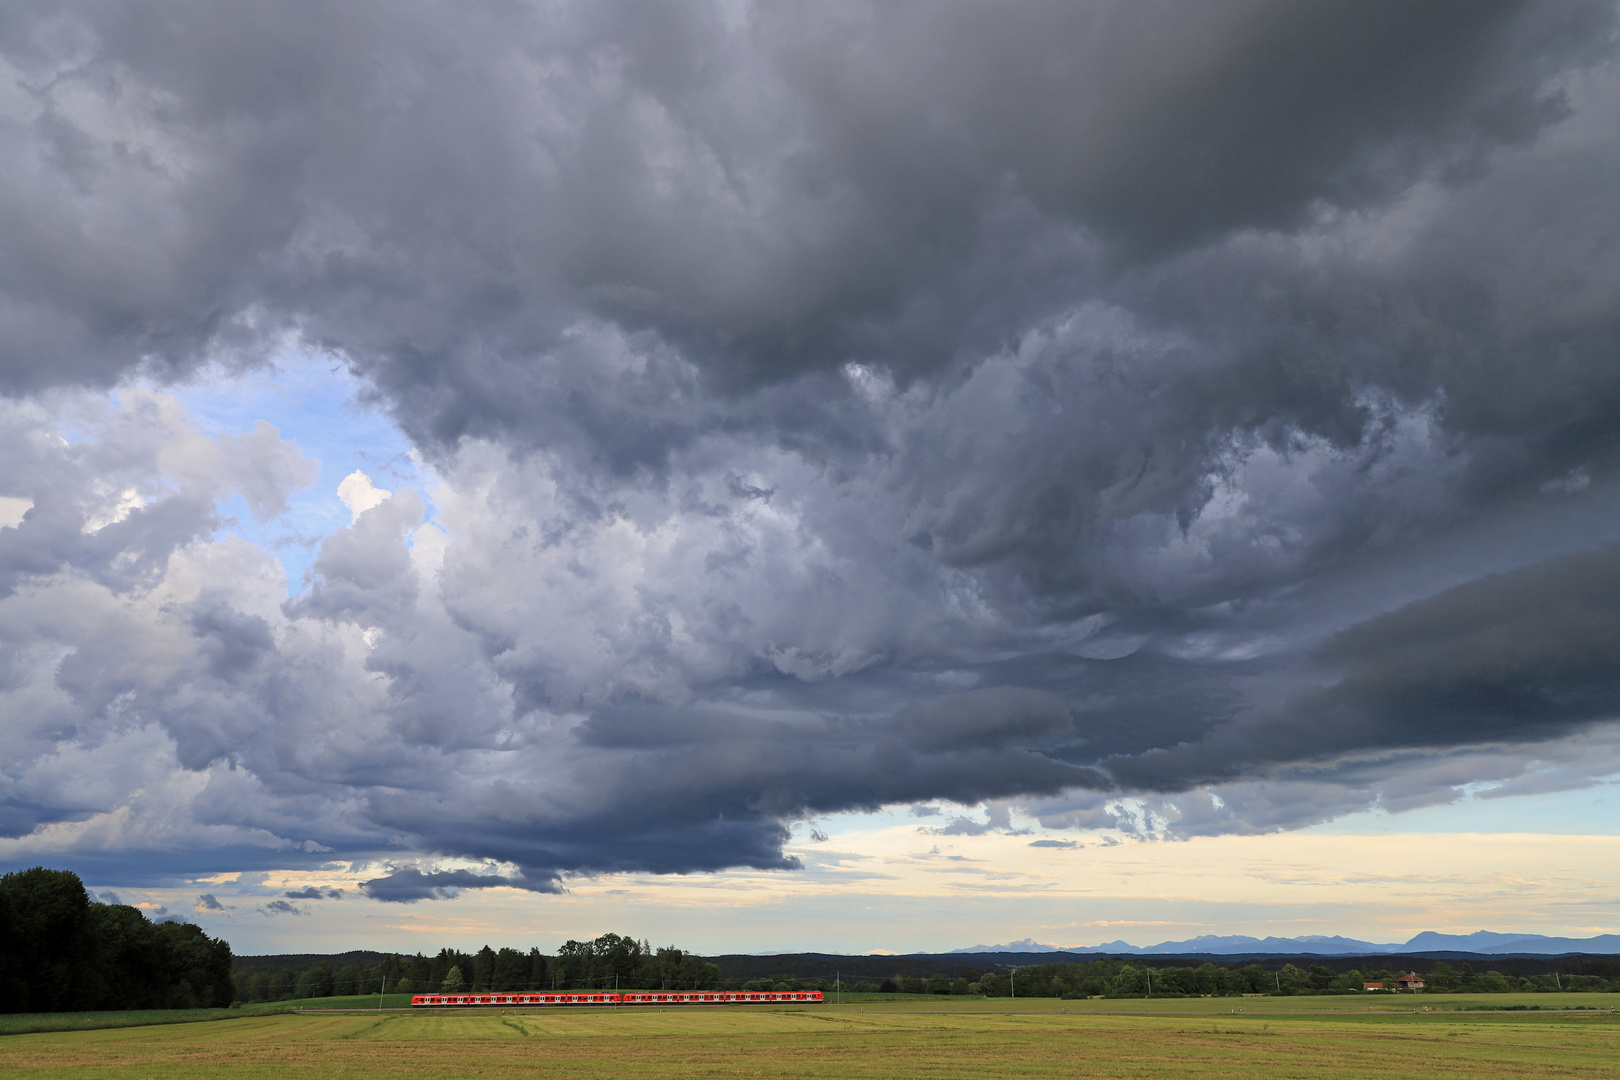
(1487, 942)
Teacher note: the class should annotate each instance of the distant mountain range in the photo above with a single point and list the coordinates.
(1481, 941)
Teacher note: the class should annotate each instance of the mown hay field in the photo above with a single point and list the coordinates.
(887, 1041)
(18, 1023)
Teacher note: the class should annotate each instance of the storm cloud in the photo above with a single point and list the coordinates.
(1150, 418)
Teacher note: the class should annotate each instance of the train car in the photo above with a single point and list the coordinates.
(633, 997)
(429, 1001)
(718, 997)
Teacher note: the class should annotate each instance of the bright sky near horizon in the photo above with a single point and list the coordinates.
(824, 477)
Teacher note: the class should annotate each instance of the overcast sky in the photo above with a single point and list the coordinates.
(471, 458)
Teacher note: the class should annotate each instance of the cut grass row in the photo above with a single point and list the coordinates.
(894, 1042)
(28, 1023)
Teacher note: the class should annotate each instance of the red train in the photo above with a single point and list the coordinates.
(631, 997)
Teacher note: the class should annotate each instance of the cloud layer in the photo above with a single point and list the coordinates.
(1112, 409)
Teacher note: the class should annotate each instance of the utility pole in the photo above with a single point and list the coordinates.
(380, 990)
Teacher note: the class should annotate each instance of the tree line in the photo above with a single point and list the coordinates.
(614, 961)
(606, 962)
(487, 969)
(1118, 977)
(59, 952)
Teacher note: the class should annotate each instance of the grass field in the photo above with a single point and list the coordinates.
(888, 1040)
(24, 1023)
(1152, 1006)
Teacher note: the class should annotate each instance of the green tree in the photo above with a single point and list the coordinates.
(1442, 976)
(350, 979)
(46, 942)
(483, 970)
(575, 963)
(199, 967)
(439, 966)
(315, 981)
(1130, 982)
(510, 971)
(130, 966)
(253, 985)
(453, 982)
(282, 984)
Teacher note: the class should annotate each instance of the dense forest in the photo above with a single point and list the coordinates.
(59, 952)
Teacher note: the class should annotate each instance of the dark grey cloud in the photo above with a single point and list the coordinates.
(313, 892)
(987, 718)
(1519, 656)
(209, 902)
(442, 194)
(1158, 419)
(408, 885)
